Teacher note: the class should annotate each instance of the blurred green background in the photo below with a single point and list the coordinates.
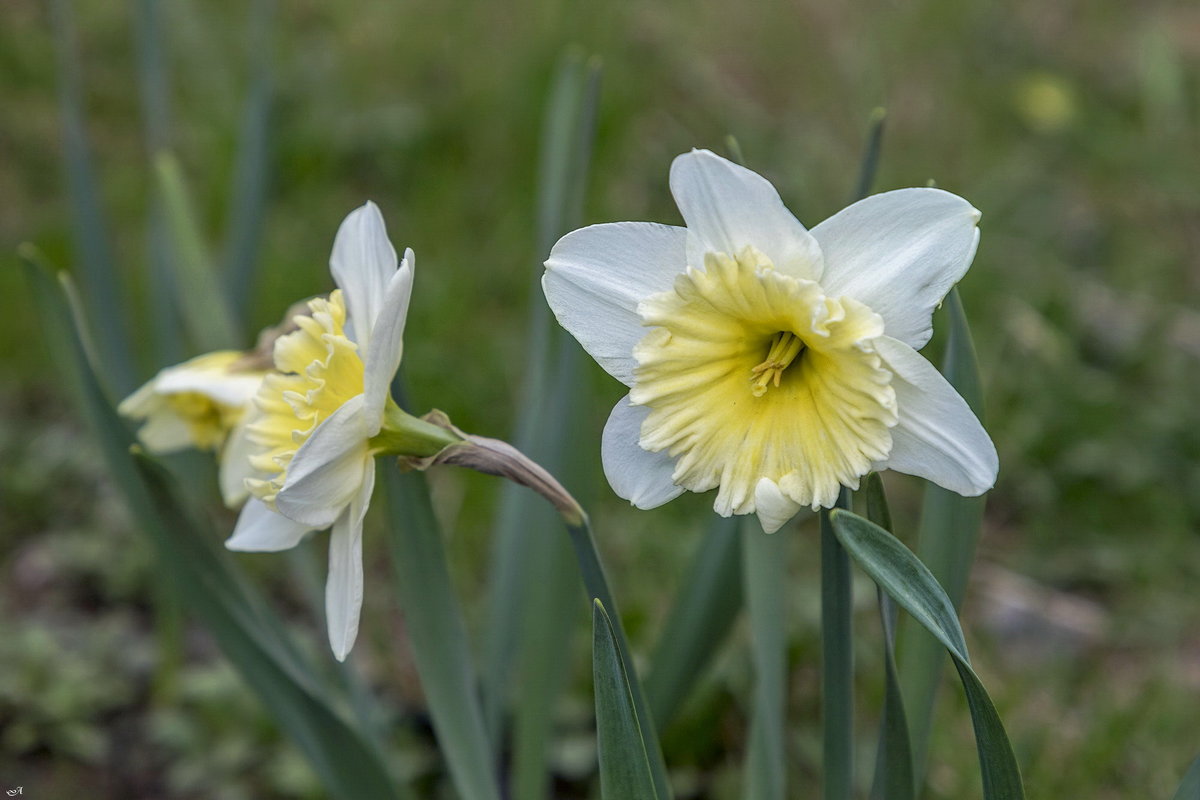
(1072, 126)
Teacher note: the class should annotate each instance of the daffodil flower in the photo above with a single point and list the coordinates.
(772, 363)
(201, 403)
(326, 412)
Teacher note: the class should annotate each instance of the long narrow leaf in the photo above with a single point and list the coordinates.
(93, 246)
(437, 633)
(764, 560)
(946, 541)
(837, 663)
(907, 581)
(249, 634)
(202, 303)
(252, 169)
(530, 602)
(550, 607)
(596, 584)
(893, 761)
(700, 619)
(624, 768)
(160, 268)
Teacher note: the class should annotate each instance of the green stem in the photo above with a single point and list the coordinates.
(837, 661)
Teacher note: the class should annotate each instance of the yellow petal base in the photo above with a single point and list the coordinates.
(321, 370)
(751, 373)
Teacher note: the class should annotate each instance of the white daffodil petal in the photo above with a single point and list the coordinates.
(387, 343)
(165, 433)
(327, 470)
(938, 436)
(235, 467)
(773, 507)
(344, 585)
(727, 208)
(230, 388)
(639, 476)
(140, 404)
(362, 262)
(595, 278)
(261, 530)
(899, 253)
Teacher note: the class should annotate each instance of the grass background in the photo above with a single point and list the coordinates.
(1073, 127)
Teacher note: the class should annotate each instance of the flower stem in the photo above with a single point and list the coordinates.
(837, 661)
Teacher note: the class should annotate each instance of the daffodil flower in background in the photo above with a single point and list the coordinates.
(325, 412)
(201, 403)
(772, 363)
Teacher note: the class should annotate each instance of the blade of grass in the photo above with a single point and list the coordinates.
(621, 750)
(247, 202)
(209, 587)
(764, 560)
(202, 303)
(893, 760)
(565, 156)
(703, 613)
(946, 540)
(907, 581)
(437, 633)
(596, 584)
(837, 662)
(93, 247)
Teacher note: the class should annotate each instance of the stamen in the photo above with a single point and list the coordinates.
(785, 347)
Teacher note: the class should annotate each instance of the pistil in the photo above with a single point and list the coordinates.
(785, 347)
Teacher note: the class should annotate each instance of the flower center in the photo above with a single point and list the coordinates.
(785, 347)
(817, 409)
(319, 369)
(207, 420)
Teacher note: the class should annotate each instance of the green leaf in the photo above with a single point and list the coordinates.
(437, 633)
(624, 769)
(597, 587)
(703, 613)
(870, 159)
(247, 205)
(93, 245)
(167, 339)
(1189, 789)
(894, 778)
(907, 581)
(202, 303)
(837, 662)
(946, 541)
(530, 591)
(209, 587)
(764, 558)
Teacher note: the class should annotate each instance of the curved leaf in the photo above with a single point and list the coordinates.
(899, 573)
(946, 540)
(624, 769)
